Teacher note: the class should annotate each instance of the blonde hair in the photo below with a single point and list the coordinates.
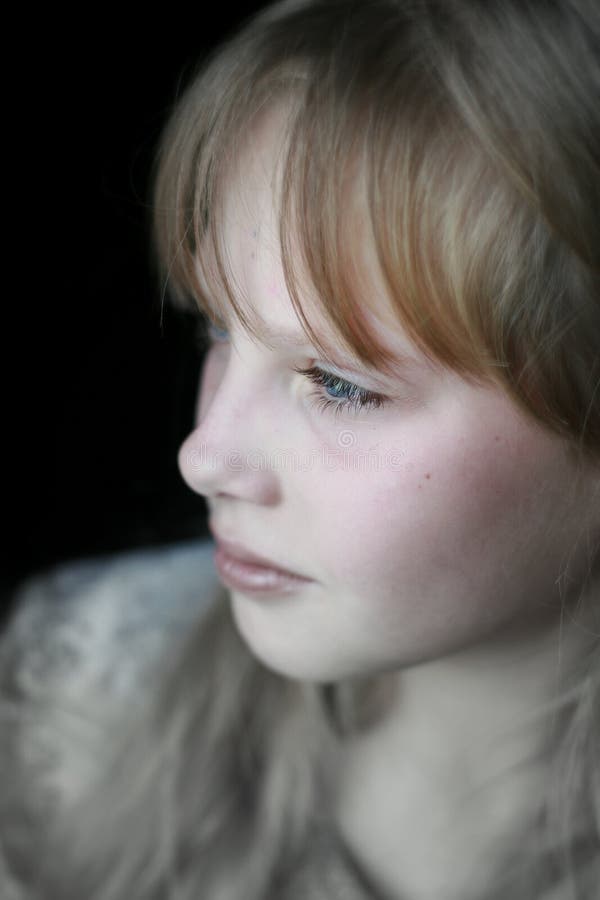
(476, 127)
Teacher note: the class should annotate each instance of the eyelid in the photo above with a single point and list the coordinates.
(214, 331)
(399, 390)
(359, 396)
(215, 324)
(386, 389)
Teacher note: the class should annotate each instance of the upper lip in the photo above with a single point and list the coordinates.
(239, 551)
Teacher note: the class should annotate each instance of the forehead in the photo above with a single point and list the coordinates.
(249, 245)
(251, 221)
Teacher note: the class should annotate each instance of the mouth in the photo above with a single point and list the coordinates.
(243, 569)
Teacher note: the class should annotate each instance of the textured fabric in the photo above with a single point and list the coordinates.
(86, 634)
(91, 631)
(108, 618)
(329, 872)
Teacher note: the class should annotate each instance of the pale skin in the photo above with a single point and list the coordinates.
(441, 564)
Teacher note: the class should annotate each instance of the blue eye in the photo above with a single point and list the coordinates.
(346, 396)
(216, 334)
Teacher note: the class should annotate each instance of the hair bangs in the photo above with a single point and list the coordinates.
(403, 192)
(364, 214)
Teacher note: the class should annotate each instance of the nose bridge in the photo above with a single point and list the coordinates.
(229, 401)
(227, 451)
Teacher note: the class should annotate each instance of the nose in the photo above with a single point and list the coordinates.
(226, 454)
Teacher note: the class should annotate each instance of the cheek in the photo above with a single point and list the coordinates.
(449, 518)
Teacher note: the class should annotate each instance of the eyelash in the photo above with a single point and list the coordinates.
(356, 399)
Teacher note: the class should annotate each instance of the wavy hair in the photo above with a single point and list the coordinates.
(475, 130)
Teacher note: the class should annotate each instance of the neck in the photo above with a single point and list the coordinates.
(458, 764)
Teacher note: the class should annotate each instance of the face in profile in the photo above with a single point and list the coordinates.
(430, 515)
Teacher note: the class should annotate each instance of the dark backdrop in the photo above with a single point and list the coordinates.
(104, 394)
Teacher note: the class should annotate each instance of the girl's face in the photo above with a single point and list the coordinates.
(438, 522)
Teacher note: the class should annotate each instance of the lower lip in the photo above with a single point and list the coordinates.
(254, 579)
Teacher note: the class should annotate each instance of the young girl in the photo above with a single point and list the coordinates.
(388, 215)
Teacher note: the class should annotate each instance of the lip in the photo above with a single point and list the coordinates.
(242, 569)
(240, 552)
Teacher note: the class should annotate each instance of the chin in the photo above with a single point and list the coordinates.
(286, 656)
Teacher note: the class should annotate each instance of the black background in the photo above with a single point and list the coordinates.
(104, 392)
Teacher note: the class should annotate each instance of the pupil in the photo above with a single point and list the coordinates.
(337, 389)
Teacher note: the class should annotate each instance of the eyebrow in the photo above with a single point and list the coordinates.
(286, 338)
(401, 365)
(403, 362)
(275, 335)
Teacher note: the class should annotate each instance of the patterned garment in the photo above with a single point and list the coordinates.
(330, 873)
(89, 631)
(86, 632)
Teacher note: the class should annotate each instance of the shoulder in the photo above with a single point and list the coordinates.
(78, 652)
(108, 618)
